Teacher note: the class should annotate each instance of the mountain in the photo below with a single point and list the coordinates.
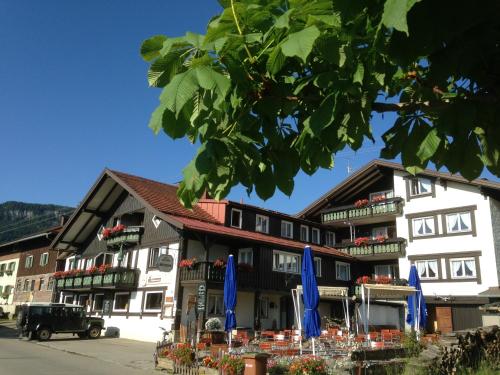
(19, 219)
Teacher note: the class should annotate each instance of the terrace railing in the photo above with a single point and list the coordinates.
(394, 246)
(129, 236)
(390, 206)
(113, 278)
(206, 271)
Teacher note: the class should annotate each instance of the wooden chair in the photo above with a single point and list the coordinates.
(279, 337)
(266, 346)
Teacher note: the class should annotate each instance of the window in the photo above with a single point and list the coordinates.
(423, 226)
(427, 269)
(459, 222)
(264, 307)
(386, 194)
(154, 254)
(420, 186)
(32, 287)
(153, 301)
(236, 218)
(262, 224)
(245, 256)
(343, 271)
(87, 263)
(317, 265)
(12, 266)
(215, 304)
(379, 231)
(98, 302)
(26, 285)
(41, 284)
(69, 299)
(304, 233)
(330, 239)
(50, 285)
(28, 263)
(386, 270)
(103, 258)
(464, 268)
(18, 285)
(286, 262)
(3, 267)
(121, 302)
(44, 259)
(71, 263)
(286, 229)
(315, 236)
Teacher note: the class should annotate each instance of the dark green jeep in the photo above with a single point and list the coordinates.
(41, 320)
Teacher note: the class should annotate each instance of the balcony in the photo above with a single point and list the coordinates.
(372, 212)
(113, 278)
(128, 237)
(206, 271)
(376, 250)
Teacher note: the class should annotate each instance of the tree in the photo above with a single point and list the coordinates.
(278, 86)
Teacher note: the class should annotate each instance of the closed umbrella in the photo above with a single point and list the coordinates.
(230, 296)
(417, 309)
(312, 321)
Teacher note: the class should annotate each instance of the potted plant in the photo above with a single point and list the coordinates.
(187, 263)
(308, 365)
(360, 203)
(220, 263)
(232, 365)
(183, 355)
(361, 241)
(210, 366)
(214, 327)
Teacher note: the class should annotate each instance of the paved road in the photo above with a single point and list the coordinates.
(67, 355)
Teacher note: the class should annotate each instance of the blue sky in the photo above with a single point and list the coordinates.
(74, 99)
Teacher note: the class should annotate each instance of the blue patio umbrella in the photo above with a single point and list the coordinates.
(230, 296)
(417, 309)
(312, 321)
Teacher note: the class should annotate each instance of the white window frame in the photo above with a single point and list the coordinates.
(94, 299)
(72, 296)
(26, 285)
(385, 193)
(317, 265)
(286, 255)
(316, 230)
(426, 262)
(259, 227)
(381, 229)
(328, 237)
(337, 274)
(391, 267)
(42, 256)
(414, 231)
(146, 299)
(246, 250)
(155, 265)
(71, 263)
(217, 297)
(231, 218)
(449, 230)
(285, 227)
(419, 179)
(306, 239)
(28, 262)
(114, 301)
(40, 280)
(462, 260)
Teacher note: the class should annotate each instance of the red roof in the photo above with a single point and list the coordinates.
(162, 197)
(256, 237)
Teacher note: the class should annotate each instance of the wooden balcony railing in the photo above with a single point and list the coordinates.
(390, 246)
(391, 206)
(113, 278)
(129, 236)
(206, 271)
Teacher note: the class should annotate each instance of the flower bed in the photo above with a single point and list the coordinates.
(232, 365)
(308, 365)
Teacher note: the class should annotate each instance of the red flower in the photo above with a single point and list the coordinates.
(382, 279)
(220, 263)
(187, 263)
(106, 232)
(361, 241)
(378, 198)
(91, 270)
(103, 267)
(380, 238)
(361, 203)
(363, 280)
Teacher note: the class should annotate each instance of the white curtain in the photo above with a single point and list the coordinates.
(470, 267)
(452, 221)
(421, 269)
(425, 186)
(456, 268)
(418, 226)
(465, 221)
(432, 264)
(429, 222)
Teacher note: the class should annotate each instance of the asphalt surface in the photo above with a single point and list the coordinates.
(65, 354)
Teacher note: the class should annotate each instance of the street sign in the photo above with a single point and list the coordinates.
(202, 296)
(165, 263)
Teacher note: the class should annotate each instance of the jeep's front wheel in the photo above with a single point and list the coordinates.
(43, 334)
(94, 332)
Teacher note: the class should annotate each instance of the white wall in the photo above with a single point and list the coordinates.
(456, 195)
(134, 328)
(8, 280)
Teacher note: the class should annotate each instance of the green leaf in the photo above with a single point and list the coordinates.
(283, 21)
(163, 69)
(300, 44)
(275, 61)
(180, 89)
(429, 145)
(150, 48)
(323, 116)
(359, 73)
(395, 12)
(264, 182)
(174, 126)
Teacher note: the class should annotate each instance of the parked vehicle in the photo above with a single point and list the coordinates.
(41, 320)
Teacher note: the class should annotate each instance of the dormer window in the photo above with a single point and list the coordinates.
(236, 218)
(262, 224)
(286, 229)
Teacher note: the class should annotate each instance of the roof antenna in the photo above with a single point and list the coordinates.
(349, 168)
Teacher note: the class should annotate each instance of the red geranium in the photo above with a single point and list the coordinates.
(91, 270)
(220, 263)
(378, 198)
(382, 279)
(103, 267)
(363, 280)
(380, 238)
(361, 203)
(361, 241)
(187, 263)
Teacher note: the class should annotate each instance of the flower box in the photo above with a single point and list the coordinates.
(165, 364)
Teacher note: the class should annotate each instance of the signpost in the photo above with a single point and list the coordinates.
(202, 296)
(165, 263)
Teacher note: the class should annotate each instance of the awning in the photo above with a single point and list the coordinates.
(329, 292)
(389, 291)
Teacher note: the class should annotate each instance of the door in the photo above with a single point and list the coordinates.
(444, 319)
